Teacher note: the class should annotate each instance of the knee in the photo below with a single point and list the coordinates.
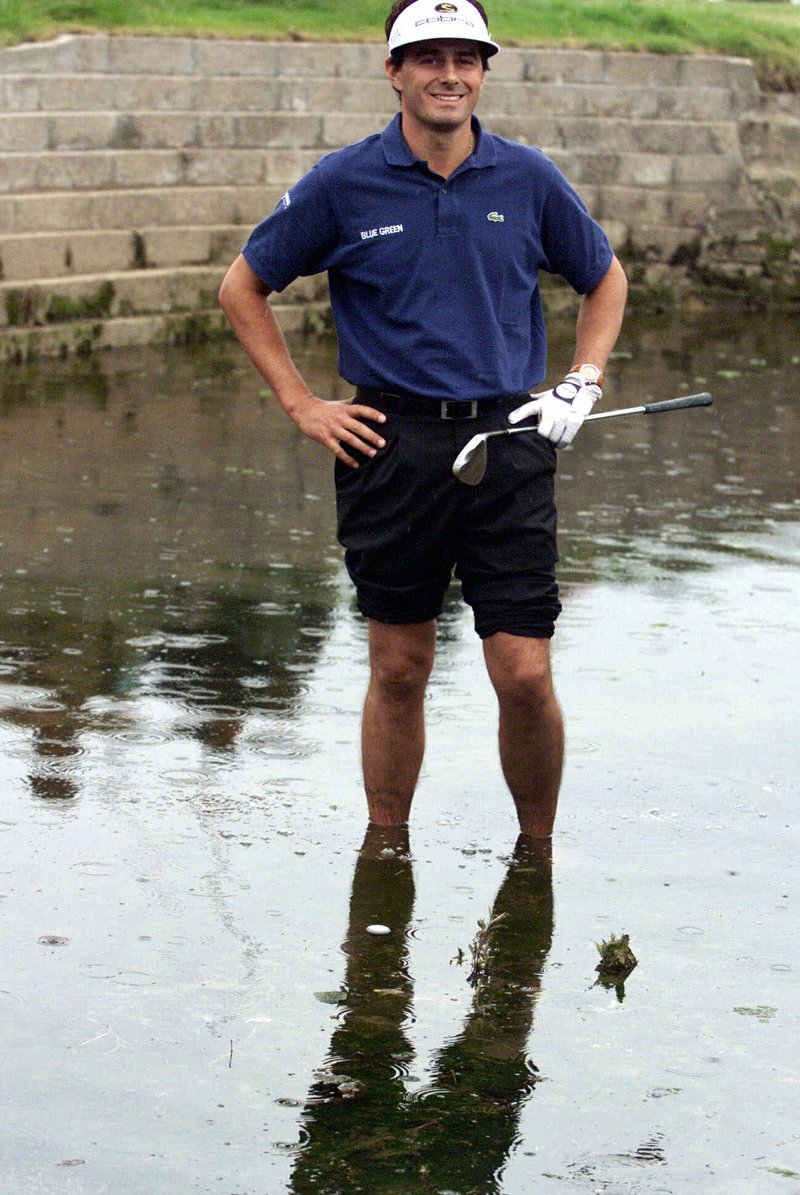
(402, 676)
(524, 682)
(531, 687)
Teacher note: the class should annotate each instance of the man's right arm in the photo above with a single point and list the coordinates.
(337, 425)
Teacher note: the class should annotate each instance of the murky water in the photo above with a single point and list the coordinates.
(189, 997)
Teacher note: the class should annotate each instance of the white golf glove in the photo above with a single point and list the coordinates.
(562, 410)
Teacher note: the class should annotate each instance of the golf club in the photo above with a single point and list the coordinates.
(470, 464)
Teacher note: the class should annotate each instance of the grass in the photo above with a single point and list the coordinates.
(767, 32)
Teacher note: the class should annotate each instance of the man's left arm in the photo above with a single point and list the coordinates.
(600, 318)
(562, 410)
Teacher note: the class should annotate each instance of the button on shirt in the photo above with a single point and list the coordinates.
(434, 282)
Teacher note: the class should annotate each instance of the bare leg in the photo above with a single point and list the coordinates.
(393, 726)
(531, 732)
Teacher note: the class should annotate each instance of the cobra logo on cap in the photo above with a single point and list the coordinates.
(446, 8)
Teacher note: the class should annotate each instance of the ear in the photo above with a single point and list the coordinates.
(393, 72)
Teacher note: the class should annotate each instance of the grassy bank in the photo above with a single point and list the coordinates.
(768, 33)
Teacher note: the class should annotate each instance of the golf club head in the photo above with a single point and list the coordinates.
(470, 464)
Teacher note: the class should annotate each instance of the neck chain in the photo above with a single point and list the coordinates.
(471, 149)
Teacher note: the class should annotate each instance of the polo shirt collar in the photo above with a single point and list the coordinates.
(397, 152)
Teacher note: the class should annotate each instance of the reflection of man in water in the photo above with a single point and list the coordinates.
(459, 1134)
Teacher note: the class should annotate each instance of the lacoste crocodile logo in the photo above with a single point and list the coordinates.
(496, 217)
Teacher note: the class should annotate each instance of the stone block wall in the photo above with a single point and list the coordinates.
(132, 168)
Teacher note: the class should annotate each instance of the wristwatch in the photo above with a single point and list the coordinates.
(589, 373)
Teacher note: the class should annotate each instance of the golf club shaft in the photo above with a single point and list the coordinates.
(653, 408)
(470, 464)
(649, 408)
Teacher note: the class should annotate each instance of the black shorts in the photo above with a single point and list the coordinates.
(407, 524)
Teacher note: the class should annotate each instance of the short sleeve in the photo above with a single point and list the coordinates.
(297, 238)
(574, 244)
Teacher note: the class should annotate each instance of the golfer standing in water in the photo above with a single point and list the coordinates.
(433, 234)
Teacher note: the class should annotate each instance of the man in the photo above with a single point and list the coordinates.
(433, 234)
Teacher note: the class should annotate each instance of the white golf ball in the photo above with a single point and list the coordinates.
(378, 929)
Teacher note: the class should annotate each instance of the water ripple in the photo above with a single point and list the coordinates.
(140, 738)
(176, 642)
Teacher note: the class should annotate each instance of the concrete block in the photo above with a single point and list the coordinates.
(508, 65)
(290, 130)
(91, 52)
(732, 74)
(643, 207)
(170, 168)
(36, 132)
(230, 93)
(282, 167)
(622, 169)
(645, 70)
(563, 67)
(145, 207)
(65, 92)
(19, 93)
(107, 295)
(35, 58)
(645, 136)
(34, 256)
(270, 59)
(28, 257)
(776, 138)
(709, 170)
(58, 340)
(543, 131)
(179, 246)
(151, 55)
(52, 172)
(340, 130)
(227, 57)
(630, 103)
(513, 98)
(683, 137)
(662, 243)
(217, 167)
(697, 103)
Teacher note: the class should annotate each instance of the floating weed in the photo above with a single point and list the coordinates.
(479, 977)
(336, 997)
(762, 1012)
(331, 1085)
(617, 960)
(616, 957)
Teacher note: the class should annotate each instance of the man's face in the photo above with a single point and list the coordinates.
(439, 82)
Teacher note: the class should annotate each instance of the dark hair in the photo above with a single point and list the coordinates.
(401, 5)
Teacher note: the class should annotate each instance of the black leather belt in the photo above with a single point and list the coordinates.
(435, 408)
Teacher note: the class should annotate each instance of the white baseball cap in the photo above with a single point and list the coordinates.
(428, 19)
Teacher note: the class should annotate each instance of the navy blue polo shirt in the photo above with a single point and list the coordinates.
(434, 282)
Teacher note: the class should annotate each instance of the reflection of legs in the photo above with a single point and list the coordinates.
(531, 727)
(485, 1075)
(393, 727)
(360, 1144)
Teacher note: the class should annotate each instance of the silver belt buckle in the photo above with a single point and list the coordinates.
(469, 409)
